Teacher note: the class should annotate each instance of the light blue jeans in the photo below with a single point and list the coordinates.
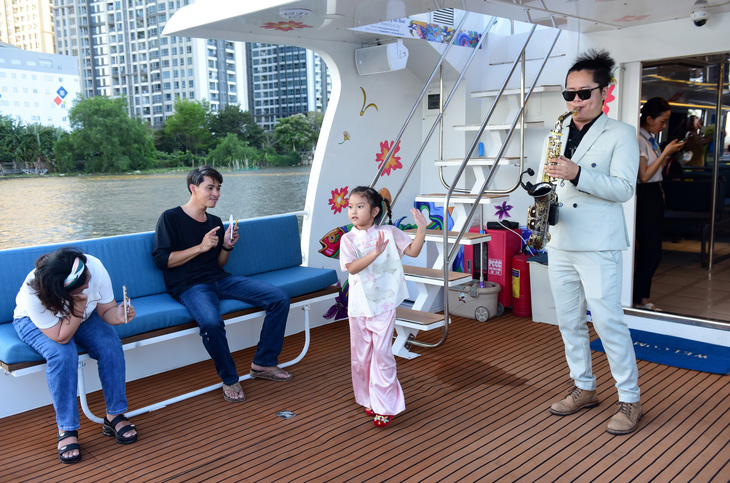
(203, 303)
(102, 343)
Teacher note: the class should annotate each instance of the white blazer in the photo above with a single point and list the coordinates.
(591, 215)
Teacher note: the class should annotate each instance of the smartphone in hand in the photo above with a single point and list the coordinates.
(125, 302)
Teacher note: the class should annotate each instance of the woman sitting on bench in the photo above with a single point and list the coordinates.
(68, 300)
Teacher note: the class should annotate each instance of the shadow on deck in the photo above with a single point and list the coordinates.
(476, 409)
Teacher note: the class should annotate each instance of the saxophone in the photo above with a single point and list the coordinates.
(545, 210)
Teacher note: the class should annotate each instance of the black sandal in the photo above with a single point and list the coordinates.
(69, 447)
(108, 430)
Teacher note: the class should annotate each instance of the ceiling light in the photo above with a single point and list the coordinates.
(294, 13)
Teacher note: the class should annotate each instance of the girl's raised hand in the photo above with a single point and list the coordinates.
(380, 244)
(419, 218)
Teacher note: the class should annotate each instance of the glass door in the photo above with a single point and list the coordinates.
(683, 222)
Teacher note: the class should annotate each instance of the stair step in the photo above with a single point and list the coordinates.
(434, 276)
(503, 161)
(468, 238)
(498, 127)
(461, 198)
(418, 319)
(512, 92)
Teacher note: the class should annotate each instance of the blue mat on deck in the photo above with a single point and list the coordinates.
(677, 352)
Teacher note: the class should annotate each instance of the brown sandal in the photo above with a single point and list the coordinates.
(273, 373)
(234, 388)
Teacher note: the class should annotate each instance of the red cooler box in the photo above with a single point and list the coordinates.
(500, 250)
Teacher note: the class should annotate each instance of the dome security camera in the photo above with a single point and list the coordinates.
(699, 17)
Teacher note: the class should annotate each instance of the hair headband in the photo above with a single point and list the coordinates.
(77, 269)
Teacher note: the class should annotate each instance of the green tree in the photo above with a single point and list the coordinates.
(231, 119)
(189, 126)
(295, 132)
(104, 138)
(27, 146)
(232, 150)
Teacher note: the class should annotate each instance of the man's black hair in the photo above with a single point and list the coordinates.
(195, 176)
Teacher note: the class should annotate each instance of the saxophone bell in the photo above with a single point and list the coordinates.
(541, 189)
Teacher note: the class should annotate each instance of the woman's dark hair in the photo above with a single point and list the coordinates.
(597, 61)
(50, 272)
(195, 176)
(653, 108)
(375, 200)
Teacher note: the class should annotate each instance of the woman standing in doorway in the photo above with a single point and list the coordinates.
(650, 197)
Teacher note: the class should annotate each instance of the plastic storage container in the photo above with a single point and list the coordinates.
(475, 302)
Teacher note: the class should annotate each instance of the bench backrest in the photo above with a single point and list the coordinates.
(266, 244)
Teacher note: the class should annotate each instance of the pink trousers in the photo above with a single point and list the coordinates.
(374, 377)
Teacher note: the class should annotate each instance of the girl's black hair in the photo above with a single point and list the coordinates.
(653, 108)
(51, 270)
(375, 200)
(597, 61)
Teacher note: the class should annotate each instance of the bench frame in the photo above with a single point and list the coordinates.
(303, 301)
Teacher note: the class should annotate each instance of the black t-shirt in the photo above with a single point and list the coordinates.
(175, 232)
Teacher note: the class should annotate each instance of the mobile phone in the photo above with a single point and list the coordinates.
(686, 136)
(230, 223)
(125, 302)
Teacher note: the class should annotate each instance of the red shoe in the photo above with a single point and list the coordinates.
(382, 421)
(369, 412)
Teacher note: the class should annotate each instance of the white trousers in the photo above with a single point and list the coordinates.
(577, 278)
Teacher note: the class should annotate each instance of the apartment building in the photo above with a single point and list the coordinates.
(37, 88)
(27, 24)
(283, 81)
(122, 52)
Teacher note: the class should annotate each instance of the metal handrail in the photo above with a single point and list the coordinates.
(449, 254)
(518, 117)
(417, 103)
(439, 119)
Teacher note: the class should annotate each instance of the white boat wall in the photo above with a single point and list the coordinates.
(366, 113)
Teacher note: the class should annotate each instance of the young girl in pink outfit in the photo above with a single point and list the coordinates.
(371, 255)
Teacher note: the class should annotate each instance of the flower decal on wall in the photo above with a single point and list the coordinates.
(285, 26)
(393, 162)
(346, 136)
(503, 210)
(338, 311)
(609, 97)
(338, 200)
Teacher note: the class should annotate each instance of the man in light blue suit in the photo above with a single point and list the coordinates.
(597, 175)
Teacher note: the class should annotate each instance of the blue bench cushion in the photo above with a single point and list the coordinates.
(127, 258)
(161, 311)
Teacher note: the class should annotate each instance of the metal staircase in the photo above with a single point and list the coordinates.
(463, 202)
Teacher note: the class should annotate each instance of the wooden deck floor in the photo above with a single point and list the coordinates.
(476, 409)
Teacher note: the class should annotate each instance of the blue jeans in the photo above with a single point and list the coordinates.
(102, 343)
(203, 303)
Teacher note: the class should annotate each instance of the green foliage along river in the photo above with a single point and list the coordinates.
(43, 210)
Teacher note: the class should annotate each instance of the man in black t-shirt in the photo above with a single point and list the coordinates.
(191, 248)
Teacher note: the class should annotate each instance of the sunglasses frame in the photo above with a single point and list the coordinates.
(583, 94)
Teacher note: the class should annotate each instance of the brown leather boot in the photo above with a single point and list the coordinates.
(626, 418)
(575, 401)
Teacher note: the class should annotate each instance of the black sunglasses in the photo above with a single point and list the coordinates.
(583, 94)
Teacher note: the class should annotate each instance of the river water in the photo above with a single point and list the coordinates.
(42, 210)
